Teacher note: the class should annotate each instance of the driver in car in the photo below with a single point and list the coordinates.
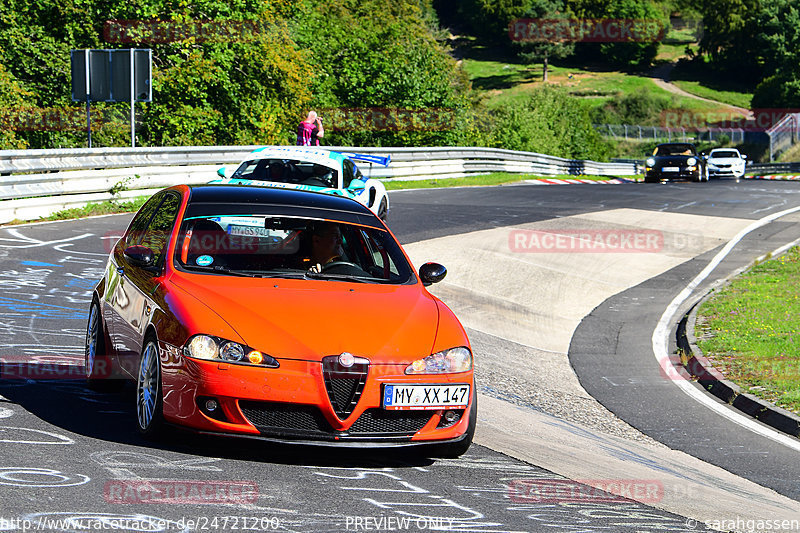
(326, 245)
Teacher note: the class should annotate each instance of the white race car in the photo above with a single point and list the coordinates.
(312, 169)
(726, 162)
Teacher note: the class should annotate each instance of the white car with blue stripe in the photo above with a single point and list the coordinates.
(313, 169)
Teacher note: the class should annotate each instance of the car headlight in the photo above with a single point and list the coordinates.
(691, 161)
(445, 362)
(650, 162)
(210, 348)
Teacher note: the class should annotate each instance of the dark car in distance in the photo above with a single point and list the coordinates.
(674, 161)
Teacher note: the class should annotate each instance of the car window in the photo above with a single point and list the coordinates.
(674, 149)
(350, 172)
(158, 231)
(263, 245)
(291, 171)
(142, 219)
(725, 153)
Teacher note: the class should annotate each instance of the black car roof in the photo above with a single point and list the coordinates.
(241, 199)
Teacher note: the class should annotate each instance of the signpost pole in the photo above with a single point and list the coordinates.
(88, 105)
(133, 112)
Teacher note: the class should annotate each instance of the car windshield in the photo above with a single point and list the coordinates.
(262, 245)
(674, 149)
(725, 153)
(288, 171)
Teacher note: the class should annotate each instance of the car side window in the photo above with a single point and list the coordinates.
(351, 172)
(142, 220)
(157, 234)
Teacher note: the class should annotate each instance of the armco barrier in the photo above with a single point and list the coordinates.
(35, 183)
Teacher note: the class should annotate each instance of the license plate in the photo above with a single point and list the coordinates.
(670, 169)
(425, 396)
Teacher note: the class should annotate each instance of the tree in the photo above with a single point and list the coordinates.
(728, 30)
(548, 44)
(642, 14)
(778, 38)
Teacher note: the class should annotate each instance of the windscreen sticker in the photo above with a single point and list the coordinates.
(204, 260)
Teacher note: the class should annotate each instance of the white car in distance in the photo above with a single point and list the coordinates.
(727, 162)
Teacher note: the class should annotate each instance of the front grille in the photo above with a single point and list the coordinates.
(381, 421)
(344, 384)
(269, 417)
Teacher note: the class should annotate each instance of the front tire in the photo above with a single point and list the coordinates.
(149, 400)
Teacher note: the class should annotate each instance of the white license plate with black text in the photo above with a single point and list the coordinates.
(425, 396)
(670, 169)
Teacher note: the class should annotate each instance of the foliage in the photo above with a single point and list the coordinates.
(642, 107)
(12, 97)
(531, 52)
(777, 92)
(778, 39)
(550, 122)
(388, 62)
(729, 26)
(620, 54)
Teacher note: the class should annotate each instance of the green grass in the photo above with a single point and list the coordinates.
(496, 178)
(752, 329)
(737, 98)
(99, 208)
(790, 155)
(512, 81)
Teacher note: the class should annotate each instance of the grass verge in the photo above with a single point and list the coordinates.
(496, 178)
(749, 331)
(108, 207)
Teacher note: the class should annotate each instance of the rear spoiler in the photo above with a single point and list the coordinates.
(383, 161)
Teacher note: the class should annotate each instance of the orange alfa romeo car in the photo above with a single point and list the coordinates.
(282, 315)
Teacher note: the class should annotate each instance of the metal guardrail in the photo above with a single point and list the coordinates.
(773, 168)
(36, 183)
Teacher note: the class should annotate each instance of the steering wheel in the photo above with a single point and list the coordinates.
(334, 264)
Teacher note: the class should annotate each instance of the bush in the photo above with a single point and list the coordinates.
(551, 122)
(641, 107)
(779, 91)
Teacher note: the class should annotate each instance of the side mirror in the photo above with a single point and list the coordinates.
(140, 256)
(431, 273)
(221, 172)
(357, 185)
(744, 156)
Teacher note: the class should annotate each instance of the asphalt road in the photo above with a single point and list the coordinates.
(67, 452)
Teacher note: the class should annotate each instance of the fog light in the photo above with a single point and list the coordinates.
(212, 405)
(450, 416)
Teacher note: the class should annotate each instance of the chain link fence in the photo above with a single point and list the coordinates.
(632, 132)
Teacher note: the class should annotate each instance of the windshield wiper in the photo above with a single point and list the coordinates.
(310, 274)
(219, 269)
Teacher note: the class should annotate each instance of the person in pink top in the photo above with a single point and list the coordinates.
(310, 131)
